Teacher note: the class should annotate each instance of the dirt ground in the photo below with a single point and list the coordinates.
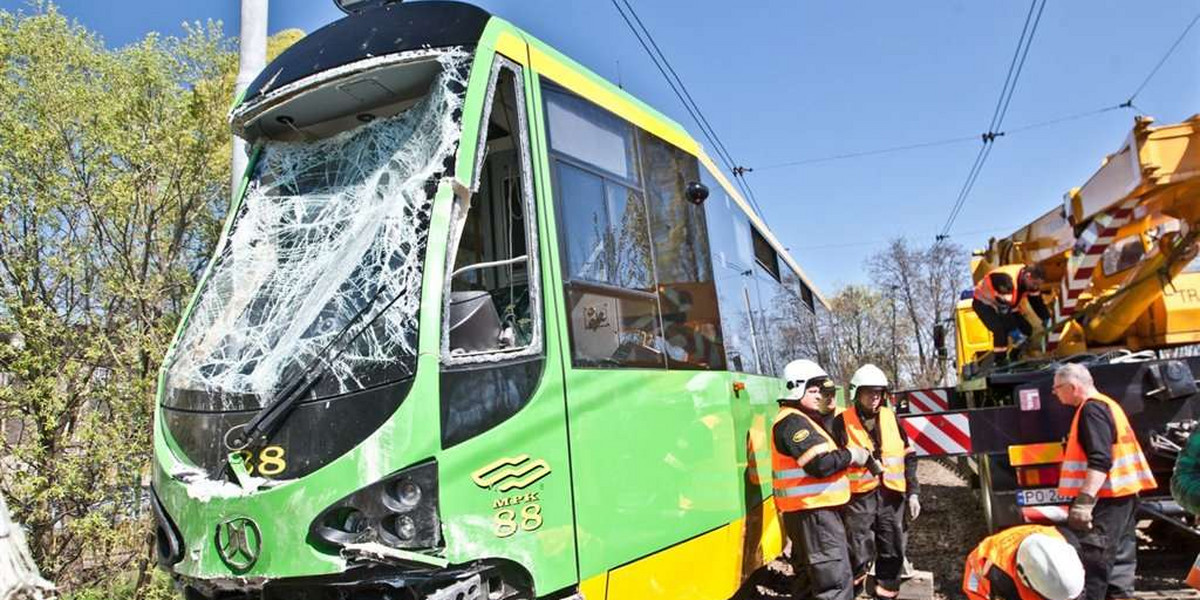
(951, 524)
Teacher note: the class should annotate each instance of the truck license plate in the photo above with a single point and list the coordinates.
(1040, 496)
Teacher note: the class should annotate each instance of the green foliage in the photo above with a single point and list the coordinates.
(157, 585)
(112, 187)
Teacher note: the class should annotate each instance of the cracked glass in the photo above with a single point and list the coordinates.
(322, 267)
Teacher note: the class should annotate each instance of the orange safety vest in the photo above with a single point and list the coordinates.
(1129, 473)
(891, 455)
(1000, 552)
(986, 293)
(794, 488)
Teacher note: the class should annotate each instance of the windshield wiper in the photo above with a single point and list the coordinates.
(269, 418)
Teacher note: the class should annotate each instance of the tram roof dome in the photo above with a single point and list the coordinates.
(376, 30)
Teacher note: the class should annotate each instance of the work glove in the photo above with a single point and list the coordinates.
(914, 507)
(1017, 336)
(859, 456)
(1079, 517)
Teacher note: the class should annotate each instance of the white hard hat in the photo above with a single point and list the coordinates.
(1050, 566)
(799, 373)
(867, 375)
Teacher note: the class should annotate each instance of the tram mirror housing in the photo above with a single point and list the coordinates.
(696, 193)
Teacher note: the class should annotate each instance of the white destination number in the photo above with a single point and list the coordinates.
(1040, 496)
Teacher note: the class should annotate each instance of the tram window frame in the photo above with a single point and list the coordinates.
(733, 270)
(683, 269)
(559, 101)
(461, 213)
(765, 255)
(608, 293)
(806, 295)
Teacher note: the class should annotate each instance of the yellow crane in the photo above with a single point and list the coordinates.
(1119, 256)
(1118, 253)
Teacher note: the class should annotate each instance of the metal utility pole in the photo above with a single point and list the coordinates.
(252, 57)
(895, 368)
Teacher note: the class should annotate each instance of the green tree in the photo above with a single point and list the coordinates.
(113, 185)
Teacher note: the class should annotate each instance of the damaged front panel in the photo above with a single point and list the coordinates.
(325, 250)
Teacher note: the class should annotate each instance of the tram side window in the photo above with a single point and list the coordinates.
(806, 295)
(613, 309)
(492, 303)
(683, 269)
(766, 256)
(793, 332)
(733, 270)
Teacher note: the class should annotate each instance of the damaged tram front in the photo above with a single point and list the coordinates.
(463, 291)
(296, 447)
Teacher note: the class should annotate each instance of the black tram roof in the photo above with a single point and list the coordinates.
(375, 31)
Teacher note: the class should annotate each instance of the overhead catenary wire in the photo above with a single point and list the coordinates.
(1162, 60)
(1128, 103)
(881, 242)
(689, 104)
(1016, 65)
(940, 142)
(807, 161)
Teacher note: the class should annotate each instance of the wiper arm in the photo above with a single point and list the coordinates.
(268, 419)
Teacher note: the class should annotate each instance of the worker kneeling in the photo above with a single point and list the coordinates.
(875, 514)
(1027, 562)
(997, 303)
(811, 487)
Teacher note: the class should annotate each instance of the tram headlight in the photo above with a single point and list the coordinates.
(399, 511)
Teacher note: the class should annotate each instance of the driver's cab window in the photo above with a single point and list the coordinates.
(491, 302)
(604, 223)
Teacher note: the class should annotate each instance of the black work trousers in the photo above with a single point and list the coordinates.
(1000, 323)
(1109, 550)
(875, 526)
(890, 539)
(859, 515)
(820, 557)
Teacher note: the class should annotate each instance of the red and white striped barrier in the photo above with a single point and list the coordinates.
(933, 400)
(1090, 247)
(938, 434)
(1044, 514)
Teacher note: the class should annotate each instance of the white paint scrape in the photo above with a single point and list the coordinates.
(200, 487)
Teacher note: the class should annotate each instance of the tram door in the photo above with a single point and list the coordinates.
(652, 439)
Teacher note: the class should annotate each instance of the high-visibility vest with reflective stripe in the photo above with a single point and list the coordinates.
(1129, 473)
(986, 293)
(891, 455)
(794, 488)
(1000, 552)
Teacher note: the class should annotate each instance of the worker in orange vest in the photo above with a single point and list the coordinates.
(997, 303)
(1103, 469)
(882, 490)
(1027, 562)
(810, 486)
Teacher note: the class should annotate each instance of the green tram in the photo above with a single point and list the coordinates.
(479, 325)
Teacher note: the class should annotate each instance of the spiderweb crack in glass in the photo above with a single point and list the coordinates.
(325, 228)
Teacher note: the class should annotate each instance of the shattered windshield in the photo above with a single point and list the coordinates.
(327, 245)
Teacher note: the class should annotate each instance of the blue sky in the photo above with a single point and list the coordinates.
(787, 81)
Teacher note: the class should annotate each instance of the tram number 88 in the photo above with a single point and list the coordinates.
(269, 462)
(509, 520)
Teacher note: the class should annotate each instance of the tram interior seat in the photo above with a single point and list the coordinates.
(474, 323)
